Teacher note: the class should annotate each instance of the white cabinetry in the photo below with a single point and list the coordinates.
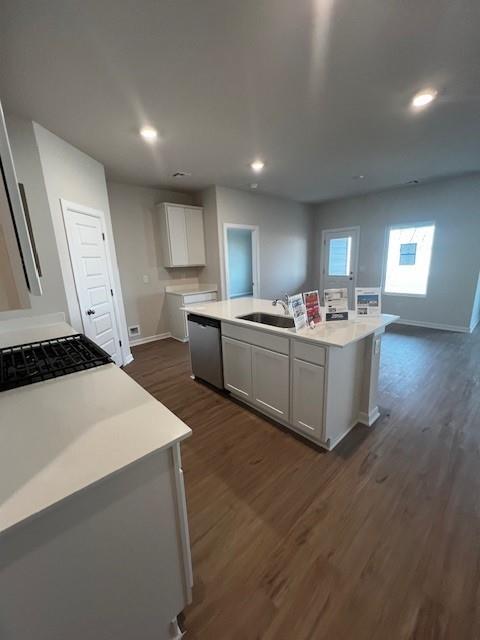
(270, 377)
(257, 374)
(237, 367)
(281, 377)
(307, 397)
(176, 299)
(182, 235)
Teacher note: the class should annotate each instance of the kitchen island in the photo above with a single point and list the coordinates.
(93, 526)
(318, 382)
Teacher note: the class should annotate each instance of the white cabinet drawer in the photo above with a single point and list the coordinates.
(309, 352)
(257, 337)
(199, 297)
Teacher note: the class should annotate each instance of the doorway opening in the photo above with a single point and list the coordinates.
(339, 261)
(241, 261)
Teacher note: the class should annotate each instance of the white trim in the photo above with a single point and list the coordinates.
(433, 325)
(18, 213)
(183, 522)
(473, 325)
(255, 257)
(388, 228)
(323, 265)
(159, 336)
(128, 360)
(369, 418)
(66, 206)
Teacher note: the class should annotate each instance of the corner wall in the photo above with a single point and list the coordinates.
(137, 237)
(285, 234)
(72, 175)
(29, 172)
(454, 206)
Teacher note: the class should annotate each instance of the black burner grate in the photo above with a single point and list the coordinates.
(28, 363)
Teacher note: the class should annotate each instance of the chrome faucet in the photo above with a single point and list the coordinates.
(284, 304)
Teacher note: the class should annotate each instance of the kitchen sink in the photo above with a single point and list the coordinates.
(266, 318)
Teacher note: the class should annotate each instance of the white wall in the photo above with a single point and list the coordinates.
(72, 175)
(27, 164)
(285, 233)
(137, 238)
(454, 205)
(211, 273)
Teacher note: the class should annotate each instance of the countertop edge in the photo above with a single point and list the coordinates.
(4, 531)
(288, 333)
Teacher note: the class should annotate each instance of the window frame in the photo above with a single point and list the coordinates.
(406, 225)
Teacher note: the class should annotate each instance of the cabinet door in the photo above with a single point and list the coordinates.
(177, 236)
(270, 373)
(308, 390)
(195, 236)
(237, 367)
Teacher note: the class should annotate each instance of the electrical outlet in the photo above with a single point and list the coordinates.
(146, 279)
(134, 331)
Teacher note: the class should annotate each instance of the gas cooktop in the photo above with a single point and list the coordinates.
(29, 363)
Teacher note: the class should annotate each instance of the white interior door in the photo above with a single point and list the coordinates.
(87, 245)
(339, 260)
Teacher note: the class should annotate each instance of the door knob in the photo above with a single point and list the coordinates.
(90, 312)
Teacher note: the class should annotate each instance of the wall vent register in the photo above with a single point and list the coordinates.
(36, 361)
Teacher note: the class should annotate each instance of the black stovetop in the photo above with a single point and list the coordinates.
(28, 363)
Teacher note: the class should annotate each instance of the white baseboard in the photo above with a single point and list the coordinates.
(474, 325)
(179, 339)
(369, 418)
(128, 359)
(434, 325)
(160, 336)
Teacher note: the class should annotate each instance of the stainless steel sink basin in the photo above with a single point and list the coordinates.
(266, 318)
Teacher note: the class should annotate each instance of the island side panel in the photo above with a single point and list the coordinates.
(346, 369)
(106, 562)
(369, 411)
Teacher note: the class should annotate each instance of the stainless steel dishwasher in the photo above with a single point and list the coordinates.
(206, 349)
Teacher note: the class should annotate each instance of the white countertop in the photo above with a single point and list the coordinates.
(60, 436)
(24, 335)
(334, 334)
(190, 289)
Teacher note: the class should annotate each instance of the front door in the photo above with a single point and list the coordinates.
(87, 245)
(339, 260)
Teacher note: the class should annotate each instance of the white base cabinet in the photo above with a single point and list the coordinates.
(282, 378)
(111, 561)
(177, 319)
(270, 381)
(307, 397)
(237, 367)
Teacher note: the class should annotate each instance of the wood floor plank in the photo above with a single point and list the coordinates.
(377, 540)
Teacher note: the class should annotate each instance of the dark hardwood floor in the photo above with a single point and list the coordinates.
(377, 540)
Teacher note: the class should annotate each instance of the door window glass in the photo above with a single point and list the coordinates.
(339, 256)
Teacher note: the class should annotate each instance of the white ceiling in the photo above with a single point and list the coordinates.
(319, 89)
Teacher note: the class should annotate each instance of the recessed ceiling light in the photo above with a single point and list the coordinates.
(423, 98)
(358, 177)
(149, 133)
(257, 165)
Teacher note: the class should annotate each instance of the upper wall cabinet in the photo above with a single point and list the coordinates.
(183, 240)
